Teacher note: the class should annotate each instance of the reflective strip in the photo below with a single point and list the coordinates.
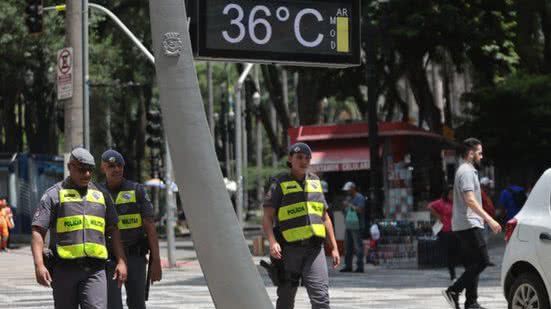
(131, 221)
(125, 197)
(69, 195)
(288, 187)
(82, 250)
(72, 195)
(95, 196)
(75, 223)
(298, 210)
(313, 186)
(304, 232)
(69, 224)
(95, 223)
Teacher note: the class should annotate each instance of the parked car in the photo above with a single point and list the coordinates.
(526, 269)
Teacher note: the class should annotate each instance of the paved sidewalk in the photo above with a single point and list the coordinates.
(185, 286)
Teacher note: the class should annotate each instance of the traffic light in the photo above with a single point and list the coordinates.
(34, 16)
(154, 129)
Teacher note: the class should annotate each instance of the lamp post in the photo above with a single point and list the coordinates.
(375, 172)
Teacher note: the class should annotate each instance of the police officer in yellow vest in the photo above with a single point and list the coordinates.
(296, 206)
(79, 216)
(138, 232)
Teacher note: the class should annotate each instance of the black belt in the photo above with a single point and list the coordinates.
(84, 263)
(310, 242)
(135, 250)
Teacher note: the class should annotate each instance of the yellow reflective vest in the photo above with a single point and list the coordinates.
(300, 213)
(129, 211)
(80, 224)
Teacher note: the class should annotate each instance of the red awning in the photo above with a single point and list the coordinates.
(344, 158)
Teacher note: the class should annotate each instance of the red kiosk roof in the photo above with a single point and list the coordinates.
(344, 147)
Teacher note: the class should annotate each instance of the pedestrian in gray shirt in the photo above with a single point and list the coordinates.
(468, 222)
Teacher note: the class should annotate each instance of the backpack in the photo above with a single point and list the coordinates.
(519, 197)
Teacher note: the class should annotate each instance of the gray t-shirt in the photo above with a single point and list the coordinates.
(45, 215)
(466, 180)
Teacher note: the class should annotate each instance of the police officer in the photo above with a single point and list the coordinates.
(138, 232)
(295, 204)
(79, 216)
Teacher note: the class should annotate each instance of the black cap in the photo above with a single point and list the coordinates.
(83, 156)
(300, 148)
(112, 156)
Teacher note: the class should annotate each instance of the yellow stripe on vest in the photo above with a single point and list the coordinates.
(131, 221)
(69, 224)
(75, 223)
(299, 209)
(304, 232)
(82, 250)
(69, 195)
(288, 187)
(95, 223)
(72, 195)
(125, 197)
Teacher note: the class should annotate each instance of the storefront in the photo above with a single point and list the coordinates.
(416, 165)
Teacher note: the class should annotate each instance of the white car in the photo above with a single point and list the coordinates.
(526, 269)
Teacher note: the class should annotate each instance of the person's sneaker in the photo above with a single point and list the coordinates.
(346, 270)
(452, 298)
(474, 306)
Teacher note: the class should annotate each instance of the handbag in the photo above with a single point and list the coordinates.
(351, 219)
(437, 227)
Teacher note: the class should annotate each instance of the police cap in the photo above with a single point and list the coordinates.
(112, 156)
(300, 148)
(82, 155)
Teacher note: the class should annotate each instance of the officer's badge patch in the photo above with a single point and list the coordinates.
(112, 160)
(297, 149)
(314, 185)
(126, 196)
(96, 196)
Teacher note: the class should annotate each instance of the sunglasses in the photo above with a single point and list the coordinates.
(82, 169)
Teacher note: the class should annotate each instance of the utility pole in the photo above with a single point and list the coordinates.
(73, 107)
(85, 75)
(210, 109)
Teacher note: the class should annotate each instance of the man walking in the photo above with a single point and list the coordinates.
(295, 203)
(354, 207)
(79, 216)
(468, 219)
(138, 233)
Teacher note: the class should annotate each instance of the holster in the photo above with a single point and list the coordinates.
(276, 271)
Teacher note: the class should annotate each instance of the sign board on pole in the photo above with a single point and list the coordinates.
(308, 32)
(65, 73)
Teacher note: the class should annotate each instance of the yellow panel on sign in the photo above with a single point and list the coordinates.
(342, 35)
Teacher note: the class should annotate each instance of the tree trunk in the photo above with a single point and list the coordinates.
(309, 100)
(428, 111)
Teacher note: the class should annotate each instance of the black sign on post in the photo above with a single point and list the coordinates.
(307, 32)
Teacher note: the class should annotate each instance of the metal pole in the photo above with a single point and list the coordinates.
(171, 208)
(85, 77)
(73, 107)
(239, 143)
(212, 125)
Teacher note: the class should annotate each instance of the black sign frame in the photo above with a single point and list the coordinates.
(198, 35)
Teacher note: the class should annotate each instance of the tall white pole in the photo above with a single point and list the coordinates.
(239, 143)
(232, 277)
(73, 107)
(85, 75)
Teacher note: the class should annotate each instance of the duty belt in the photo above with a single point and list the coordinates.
(86, 264)
(310, 242)
(134, 250)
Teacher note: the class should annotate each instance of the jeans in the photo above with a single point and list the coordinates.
(353, 242)
(475, 259)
